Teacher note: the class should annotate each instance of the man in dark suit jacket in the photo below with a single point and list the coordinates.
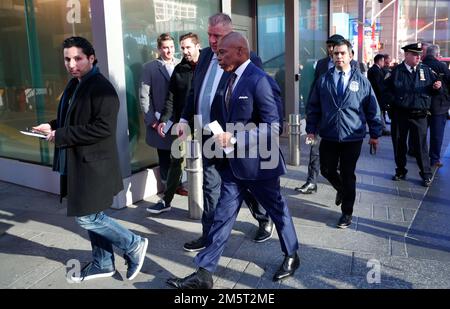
(199, 103)
(376, 77)
(86, 157)
(179, 86)
(153, 91)
(248, 100)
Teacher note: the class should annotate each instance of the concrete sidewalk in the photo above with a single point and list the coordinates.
(400, 226)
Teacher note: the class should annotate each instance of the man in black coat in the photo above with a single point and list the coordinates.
(440, 104)
(376, 78)
(84, 134)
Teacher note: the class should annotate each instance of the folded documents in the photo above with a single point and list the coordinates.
(35, 134)
(215, 128)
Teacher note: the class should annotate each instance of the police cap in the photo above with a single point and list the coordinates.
(415, 48)
(335, 38)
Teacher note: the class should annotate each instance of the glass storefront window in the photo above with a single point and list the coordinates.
(392, 24)
(425, 20)
(143, 22)
(313, 35)
(32, 72)
(271, 39)
(344, 20)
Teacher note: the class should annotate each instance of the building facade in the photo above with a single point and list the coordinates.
(288, 35)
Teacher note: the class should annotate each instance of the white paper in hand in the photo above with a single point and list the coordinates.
(215, 128)
(35, 134)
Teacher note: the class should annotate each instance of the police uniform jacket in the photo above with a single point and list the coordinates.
(343, 119)
(410, 91)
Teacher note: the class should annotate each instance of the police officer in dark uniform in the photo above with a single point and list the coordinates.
(409, 89)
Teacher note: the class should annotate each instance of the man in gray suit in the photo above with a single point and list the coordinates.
(153, 91)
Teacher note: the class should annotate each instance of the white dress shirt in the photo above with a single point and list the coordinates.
(239, 71)
(346, 77)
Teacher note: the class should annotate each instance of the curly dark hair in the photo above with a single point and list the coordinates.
(85, 45)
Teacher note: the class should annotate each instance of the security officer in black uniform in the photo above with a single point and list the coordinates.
(408, 94)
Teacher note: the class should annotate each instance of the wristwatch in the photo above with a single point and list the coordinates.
(233, 140)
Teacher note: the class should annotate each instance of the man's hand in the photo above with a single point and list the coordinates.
(310, 139)
(155, 125)
(374, 143)
(182, 129)
(44, 128)
(51, 136)
(437, 85)
(160, 129)
(223, 139)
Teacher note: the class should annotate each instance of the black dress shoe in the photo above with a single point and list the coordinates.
(288, 268)
(201, 279)
(344, 221)
(265, 231)
(307, 188)
(399, 176)
(195, 245)
(339, 198)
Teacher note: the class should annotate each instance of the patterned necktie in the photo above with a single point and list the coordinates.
(340, 85)
(230, 90)
(205, 102)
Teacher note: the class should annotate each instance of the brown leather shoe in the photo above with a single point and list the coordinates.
(182, 191)
(438, 164)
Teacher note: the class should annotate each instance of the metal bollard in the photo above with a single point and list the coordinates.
(194, 171)
(294, 139)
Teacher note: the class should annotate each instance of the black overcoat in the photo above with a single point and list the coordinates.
(89, 137)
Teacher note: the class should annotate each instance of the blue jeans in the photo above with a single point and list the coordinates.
(105, 232)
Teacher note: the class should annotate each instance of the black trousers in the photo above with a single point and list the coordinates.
(344, 155)
(314, 161)
(417, 127)
(164, 163)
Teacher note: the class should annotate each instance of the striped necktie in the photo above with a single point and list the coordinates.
(230, 90)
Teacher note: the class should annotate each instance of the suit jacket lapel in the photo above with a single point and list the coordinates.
(199, 75)
(234, 100)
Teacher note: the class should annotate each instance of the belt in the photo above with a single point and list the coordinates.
(418, 113)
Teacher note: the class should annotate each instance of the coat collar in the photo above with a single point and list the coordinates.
(329, 79)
